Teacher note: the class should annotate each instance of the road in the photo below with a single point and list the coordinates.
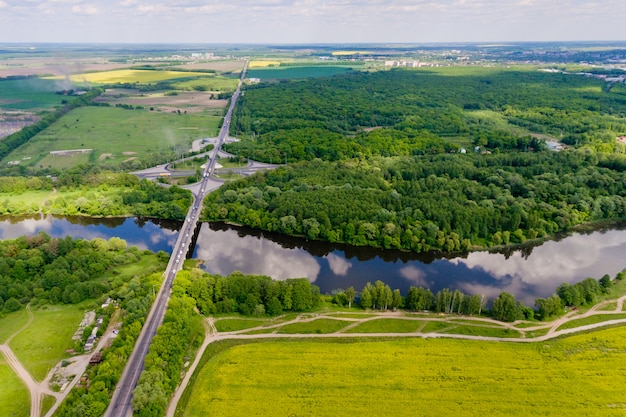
(120, 405)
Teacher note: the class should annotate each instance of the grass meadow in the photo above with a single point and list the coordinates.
(42, 344)
(580, 375)
(231, 325)
(315, 326)
(115, 135)
(386, 326)
(590, 320)
(29, 94)
(14, 397)
(11, 323)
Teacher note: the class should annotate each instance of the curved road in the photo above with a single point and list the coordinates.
(121, 405)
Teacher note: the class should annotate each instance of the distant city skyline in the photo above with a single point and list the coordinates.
(310, 21)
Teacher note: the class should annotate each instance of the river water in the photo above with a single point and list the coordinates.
(527, 273)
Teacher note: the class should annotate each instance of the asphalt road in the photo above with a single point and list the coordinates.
(120, 405)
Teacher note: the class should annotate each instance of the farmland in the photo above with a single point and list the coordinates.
(115, 135)
(582, 374)
(29, 94)
(288, 72)
(130, 76)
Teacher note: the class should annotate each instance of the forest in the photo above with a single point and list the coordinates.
(40, 269)
(433, 202)
(408, 112)
(91, 192)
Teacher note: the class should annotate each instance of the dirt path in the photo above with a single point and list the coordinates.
(37, 390)
(34, 389)
(212, 335)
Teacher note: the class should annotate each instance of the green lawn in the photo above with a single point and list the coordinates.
(116, 135)
(231, 325)
(590, 320)
(483, 331)
(386, 326)
(11, 323)
(436, 326)
(14, 397)
(315, 326)
(42, 344)
(582, 375)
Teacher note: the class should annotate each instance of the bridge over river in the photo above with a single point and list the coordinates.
(120, 405)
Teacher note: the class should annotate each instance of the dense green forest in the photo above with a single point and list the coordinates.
(92, 192)
(406, 112)
(40, 269)
(438, 202)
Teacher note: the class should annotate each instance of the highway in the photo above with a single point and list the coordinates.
(120, 405)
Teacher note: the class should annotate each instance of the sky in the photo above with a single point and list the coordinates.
(310, 21)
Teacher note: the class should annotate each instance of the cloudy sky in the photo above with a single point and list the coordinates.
(310, 21)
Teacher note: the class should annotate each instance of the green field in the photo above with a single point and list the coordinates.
(42, 344)
(578, 376)
(212, 83)
(11, 323)
(315, 326)
(386, 326)
(14, 397)
(282, 73)
(231, 325)
(115, 135)
(590, 320)
(29, 94)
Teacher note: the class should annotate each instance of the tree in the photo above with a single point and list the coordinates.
(396, 299)
(606, 283)
(505, 308)
(12, 305)
(366, 296)
(350, 294)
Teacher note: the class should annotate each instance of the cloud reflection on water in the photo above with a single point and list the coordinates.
(224, 252)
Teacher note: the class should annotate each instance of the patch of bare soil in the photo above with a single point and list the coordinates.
(104, 156)
(219, 66)
(56, 66)
(129, 159)
(189, 101)
(129, 153)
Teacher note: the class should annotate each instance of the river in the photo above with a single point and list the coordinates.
(528, 273)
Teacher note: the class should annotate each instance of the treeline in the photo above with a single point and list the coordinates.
(331, 118)
(92, 398)
(250, 295)
(432, 202)
(17, 139)
(180, 332)
(40, 269)
(93, 192)
(504, 307)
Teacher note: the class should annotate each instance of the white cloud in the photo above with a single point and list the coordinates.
(338, 265)
(85, 9)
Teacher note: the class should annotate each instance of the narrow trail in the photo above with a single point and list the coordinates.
(34, 388)
(212, 335)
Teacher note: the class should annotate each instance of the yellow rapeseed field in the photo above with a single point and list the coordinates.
(130, 76)
(583, 375)
(263, 64)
